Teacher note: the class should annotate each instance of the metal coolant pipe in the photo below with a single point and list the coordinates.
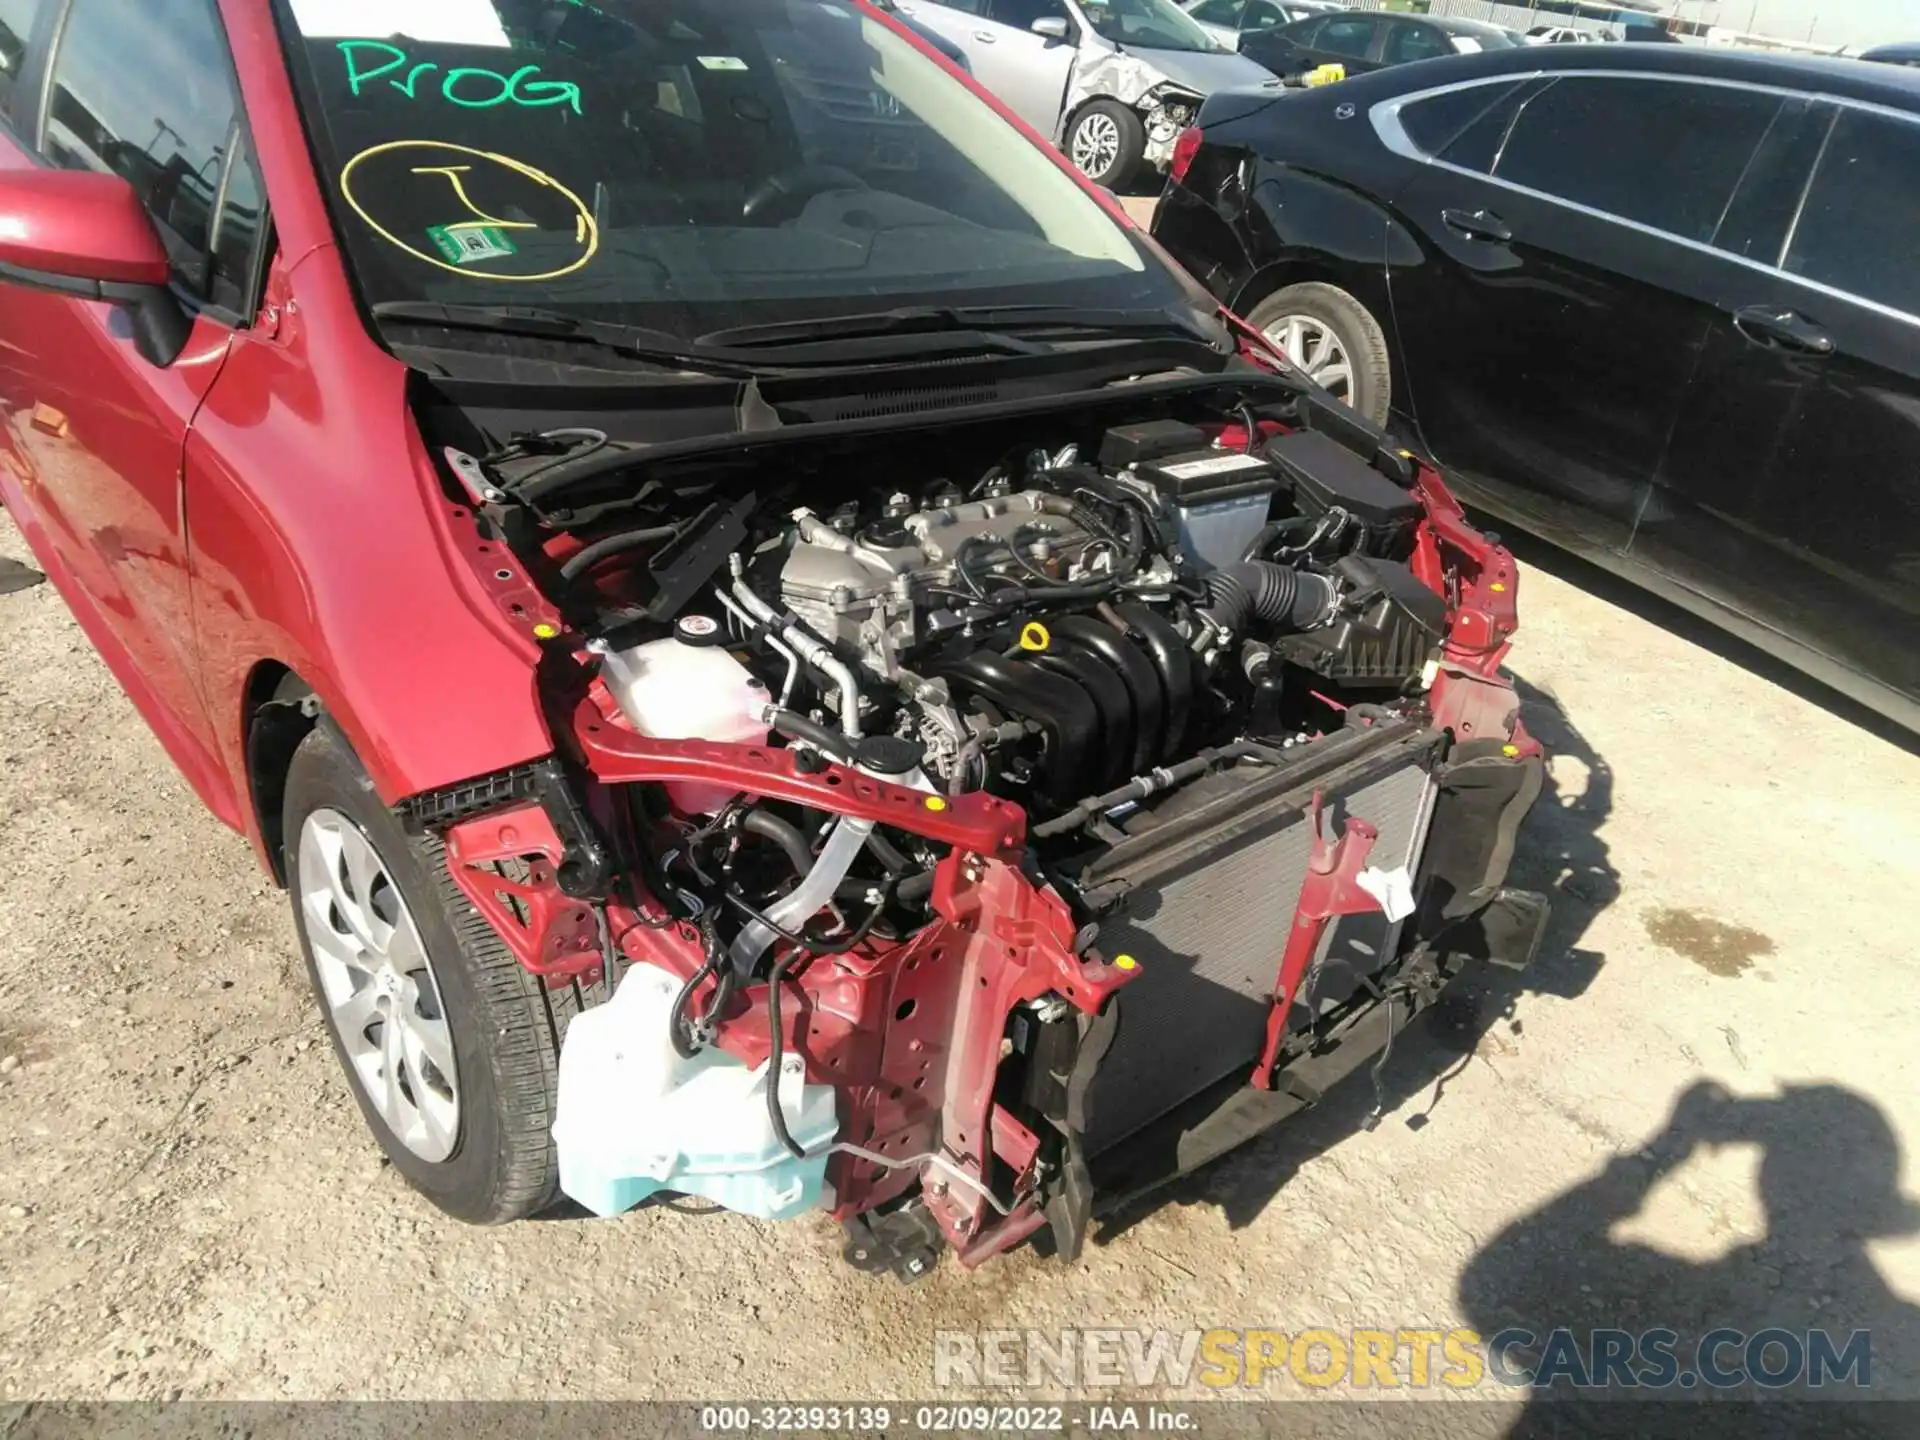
(816, 651)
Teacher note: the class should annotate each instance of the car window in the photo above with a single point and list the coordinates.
(1433, 122)
(1148, 25)
(1856, 231)
(966, 7)
(1415, 42)
(146, 92)
(1219, 12)
(17, 18)
(1263, 15)
(1764, 208)
(1300, 32)
(1021, 14)
(1664, 153)
(1347, 35)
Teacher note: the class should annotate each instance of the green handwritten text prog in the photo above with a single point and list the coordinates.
(465, 85)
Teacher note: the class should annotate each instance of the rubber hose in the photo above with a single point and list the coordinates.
(677, 1017)
(914, 887)
(780, 832)
(775, 1115)
(1279, 594)
(581, 560)
(796, 726)
(890, 856)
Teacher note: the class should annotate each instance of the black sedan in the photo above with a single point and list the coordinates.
(1658, 305)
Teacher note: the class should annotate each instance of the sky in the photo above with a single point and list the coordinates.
(1853, 23)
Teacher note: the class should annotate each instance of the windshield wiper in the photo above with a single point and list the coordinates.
(708, 355)
(1002, 322)
(532, 323)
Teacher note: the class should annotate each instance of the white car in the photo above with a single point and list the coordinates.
(1563, 35)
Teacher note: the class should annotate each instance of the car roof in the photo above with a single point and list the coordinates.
(1906, 52)
(1456, 25)
(1891, 85)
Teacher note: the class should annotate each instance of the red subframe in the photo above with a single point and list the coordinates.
(907, 1031)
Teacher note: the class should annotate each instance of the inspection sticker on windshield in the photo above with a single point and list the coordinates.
(470, 244)
(722, 62)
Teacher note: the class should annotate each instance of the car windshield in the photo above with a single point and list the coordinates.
(685, 165)
(1147, 25)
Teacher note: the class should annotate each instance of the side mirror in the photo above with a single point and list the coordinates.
(74, 232)
(1052, 27)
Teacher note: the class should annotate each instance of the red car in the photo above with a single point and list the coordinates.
(781, 651)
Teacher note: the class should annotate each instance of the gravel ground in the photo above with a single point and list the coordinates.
(189, 1205)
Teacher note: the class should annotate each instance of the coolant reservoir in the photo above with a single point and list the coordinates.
(634, 1117)
(672, 690)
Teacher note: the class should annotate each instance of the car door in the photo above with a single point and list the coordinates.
(94, 432)
(1565, 287)
(1286, 50)
(1791, 496)
(1410, 40)
(1026, 72)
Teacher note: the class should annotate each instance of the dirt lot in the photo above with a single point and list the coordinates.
(188, 1203)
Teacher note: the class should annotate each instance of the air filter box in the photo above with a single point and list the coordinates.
(1220, 498)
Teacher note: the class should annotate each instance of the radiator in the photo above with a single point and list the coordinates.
(1209, 936)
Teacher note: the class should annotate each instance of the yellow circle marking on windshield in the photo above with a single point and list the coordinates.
(585, 232)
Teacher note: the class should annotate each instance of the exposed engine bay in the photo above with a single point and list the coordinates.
(971, 813)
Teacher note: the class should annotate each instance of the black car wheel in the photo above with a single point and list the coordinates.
(449, 1044)
(1107, 142)
(1335, 340)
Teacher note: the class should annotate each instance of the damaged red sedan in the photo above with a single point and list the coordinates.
(780, 650)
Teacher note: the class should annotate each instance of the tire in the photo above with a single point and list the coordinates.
(1368, 383)
(1112, 138)
(501, 1025)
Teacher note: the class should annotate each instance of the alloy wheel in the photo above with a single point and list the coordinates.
(1096, 143)
(1316, 351)
(377, 981)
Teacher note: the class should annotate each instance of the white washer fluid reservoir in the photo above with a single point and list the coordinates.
(634, 1117)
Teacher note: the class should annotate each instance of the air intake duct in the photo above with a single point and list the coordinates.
(1286, 598)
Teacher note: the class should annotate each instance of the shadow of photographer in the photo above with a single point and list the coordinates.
(1829, 1178)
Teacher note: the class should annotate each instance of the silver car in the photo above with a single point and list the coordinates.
(1112, 81)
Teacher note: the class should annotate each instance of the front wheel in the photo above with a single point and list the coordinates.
(449, 1045)
(1334, 340)
(1107, 143)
